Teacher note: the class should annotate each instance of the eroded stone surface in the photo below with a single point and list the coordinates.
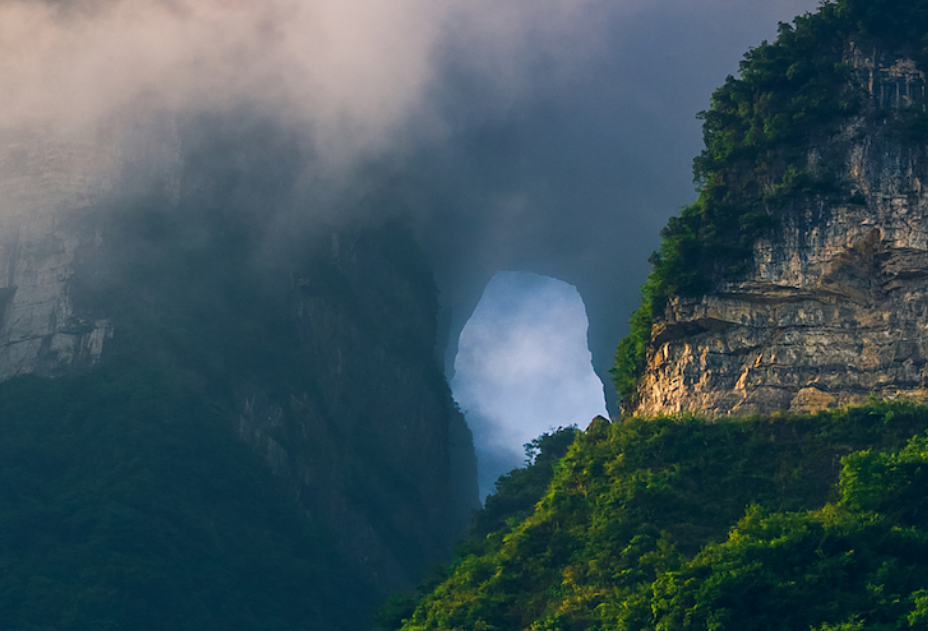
(45, 185)
(837, 306)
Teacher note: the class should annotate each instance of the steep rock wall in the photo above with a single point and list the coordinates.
(836, 307)
(375, 448)
(45, 187)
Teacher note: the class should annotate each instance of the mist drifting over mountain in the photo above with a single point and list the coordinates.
(551, 137)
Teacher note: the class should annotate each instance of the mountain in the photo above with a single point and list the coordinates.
(214, 416)
(796, 280)
(222, 404)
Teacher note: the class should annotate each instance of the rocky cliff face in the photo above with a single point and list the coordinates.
(374, 446)
(44, 188)
(836, 307)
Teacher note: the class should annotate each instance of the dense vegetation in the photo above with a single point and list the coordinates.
(789, 93)
(514, 500)
(126, 502)
(813, 522)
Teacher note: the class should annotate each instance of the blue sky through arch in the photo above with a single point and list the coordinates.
(523, 368)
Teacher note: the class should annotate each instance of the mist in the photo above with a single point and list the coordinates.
(551, 136)
(355, 77)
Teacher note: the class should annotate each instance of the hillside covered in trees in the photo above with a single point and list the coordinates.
(812, 522)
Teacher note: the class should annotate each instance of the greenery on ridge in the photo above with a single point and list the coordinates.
(757, 130)
(514, 500)
(518, 491)
(814, 522)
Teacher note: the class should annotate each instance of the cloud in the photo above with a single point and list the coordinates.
(353, 73)
(357, 80)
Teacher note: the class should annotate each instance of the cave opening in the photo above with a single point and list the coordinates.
(523, 367)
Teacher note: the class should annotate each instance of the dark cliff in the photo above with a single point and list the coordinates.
(313, 345)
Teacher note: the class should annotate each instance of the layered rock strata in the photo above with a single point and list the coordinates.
(836, 307)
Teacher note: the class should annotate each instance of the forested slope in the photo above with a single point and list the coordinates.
(782, 522)
(126, 502)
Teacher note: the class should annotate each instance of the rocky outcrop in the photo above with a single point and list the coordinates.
(45, 186)
(836, 307)
(376, 449)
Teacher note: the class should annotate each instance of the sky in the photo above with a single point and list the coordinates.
(523, 368)
(552, 137)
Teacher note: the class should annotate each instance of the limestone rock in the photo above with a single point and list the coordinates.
(45, 185)
(836, 307)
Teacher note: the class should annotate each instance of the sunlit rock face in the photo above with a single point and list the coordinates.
(836, 308)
